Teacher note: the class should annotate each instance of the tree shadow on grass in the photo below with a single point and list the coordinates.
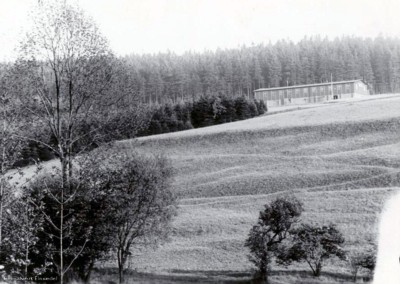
(110, 276)
(328, 277)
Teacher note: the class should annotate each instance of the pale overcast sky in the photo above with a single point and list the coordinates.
(151, 26)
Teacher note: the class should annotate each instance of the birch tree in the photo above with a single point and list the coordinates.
(67, 66)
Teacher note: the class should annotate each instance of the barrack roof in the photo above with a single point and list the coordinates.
(309, 85)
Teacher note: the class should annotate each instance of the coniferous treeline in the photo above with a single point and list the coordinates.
(168, 77)
(206, 111)
(181, 85)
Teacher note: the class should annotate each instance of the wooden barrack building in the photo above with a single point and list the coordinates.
(313, 93)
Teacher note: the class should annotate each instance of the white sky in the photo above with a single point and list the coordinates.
(151, 26)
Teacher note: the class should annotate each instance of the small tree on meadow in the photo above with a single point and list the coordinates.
(273, 226)
(313, 245)
(140, 204)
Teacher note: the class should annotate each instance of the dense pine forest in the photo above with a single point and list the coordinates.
(162, 81)
(164, 77)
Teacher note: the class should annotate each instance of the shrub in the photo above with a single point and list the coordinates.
(253, 109)
(203, 113)
(87, 229)
(242, 108)
(229, 113)
(262, 108)
(362, 260)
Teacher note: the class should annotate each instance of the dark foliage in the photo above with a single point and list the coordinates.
(242, 108)
(168, 118)
(362, 260)
(110, 193)
(313, 245)
(87, 226)
(203, 112)
(271, 229)
(125, 123)
(207, 111)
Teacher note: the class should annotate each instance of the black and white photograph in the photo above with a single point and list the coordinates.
(200, 141)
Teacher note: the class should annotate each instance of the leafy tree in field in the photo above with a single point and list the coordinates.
(313, 245)
(272, 228)
(140, 203)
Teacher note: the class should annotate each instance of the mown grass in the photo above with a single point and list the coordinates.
(323, 157)
(342, 170)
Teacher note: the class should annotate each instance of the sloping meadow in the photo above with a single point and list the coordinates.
(322, 157)
(343, 172)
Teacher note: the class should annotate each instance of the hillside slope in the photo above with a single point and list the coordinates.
(342, 159)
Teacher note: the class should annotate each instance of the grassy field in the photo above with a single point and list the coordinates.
(342, 160)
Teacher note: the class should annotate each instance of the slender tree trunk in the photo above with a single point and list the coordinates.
(27, 243)
(355, 272)
(2, 178)
(63, 162)
(318, 269)
(263, 268)
(120, 265)
(1, 213)
(265, 271)
(61, 236)
(26, 260)
(87, 276)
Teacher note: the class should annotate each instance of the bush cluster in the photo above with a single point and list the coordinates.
(207, 111)
(112, 202)
(169, 118)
